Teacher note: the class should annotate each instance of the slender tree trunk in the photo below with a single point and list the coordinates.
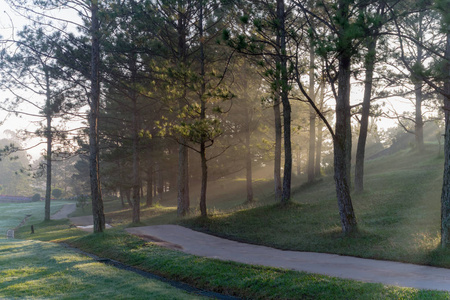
(94, 167)
(418, 83)
(121, 189)
(342, 138)
(277, 159)
(445, 197)
(341, 150)
(312, 117)
(135, 148)
(183, 201)
(248, 160)
(160, 185)
(48, 133)
(183, 179)
(121, 196)
(287, 176)
(149, 201)
(320, 132)
(204, 167)
(361, 148)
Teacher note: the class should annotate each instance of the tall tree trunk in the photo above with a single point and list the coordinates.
(135, 148)
(183, 179)
(320, 131)
(277, 159)
(341, 149)
(418, 83)
(149, 200)
(368, 83)
(160, 185)
(445, 197)
(248, 159)
(94, 166)
(183, 201)
(204, 167)
(342, 138)
(312, 117)
(48, 133)
(286, 195)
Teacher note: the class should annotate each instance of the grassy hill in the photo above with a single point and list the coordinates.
(398, 214)
(398, 217)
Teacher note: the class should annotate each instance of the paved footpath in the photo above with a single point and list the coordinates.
(64, 211)
(367, 270)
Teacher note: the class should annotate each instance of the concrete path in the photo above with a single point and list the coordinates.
(83, 222)
(367, 270)
(66, 210)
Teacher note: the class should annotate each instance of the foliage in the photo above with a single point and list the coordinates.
(36, 197)
(57, 193)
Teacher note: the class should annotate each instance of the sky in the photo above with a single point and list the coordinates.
(10, 24)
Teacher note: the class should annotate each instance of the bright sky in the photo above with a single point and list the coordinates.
(10, 24)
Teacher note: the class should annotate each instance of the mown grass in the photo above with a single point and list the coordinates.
(40, 270)
(398, 218)
(11, 214)
(398, 215)
(251, 282)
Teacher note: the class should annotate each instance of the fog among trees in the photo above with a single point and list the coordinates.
(171, 98)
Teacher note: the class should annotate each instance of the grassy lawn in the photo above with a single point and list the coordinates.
(246, 281)
(398, 217)
(11, 214)
(41, 270)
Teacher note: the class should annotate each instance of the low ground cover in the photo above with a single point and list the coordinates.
(241, 280)
(398, 215)
(42, 270)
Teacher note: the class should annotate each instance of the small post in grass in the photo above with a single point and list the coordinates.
(32, 229)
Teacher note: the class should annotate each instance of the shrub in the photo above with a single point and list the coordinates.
(57, 193)
(36, 197)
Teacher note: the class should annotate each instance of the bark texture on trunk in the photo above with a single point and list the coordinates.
(149, 200)
(248, 161)
(94, 166)
(183, 201)
(418, 91)
(287, 176)
(204, 166)
(361, 148)
(342, 138)
(320, 126)
(277, 159)
(135, 147)
(48, 133)
(445, 197)
(312, 117)
(183, 180)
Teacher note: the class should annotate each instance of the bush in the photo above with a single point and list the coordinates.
(36, 197)
(57, 193)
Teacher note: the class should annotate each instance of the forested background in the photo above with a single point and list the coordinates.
(139, 99)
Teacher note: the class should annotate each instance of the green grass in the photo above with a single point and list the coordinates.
(398, 215)
(11, 214)
(40, 270)
(241, 280)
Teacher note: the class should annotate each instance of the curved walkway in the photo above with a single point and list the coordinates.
(367, 270)
(66, 210)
